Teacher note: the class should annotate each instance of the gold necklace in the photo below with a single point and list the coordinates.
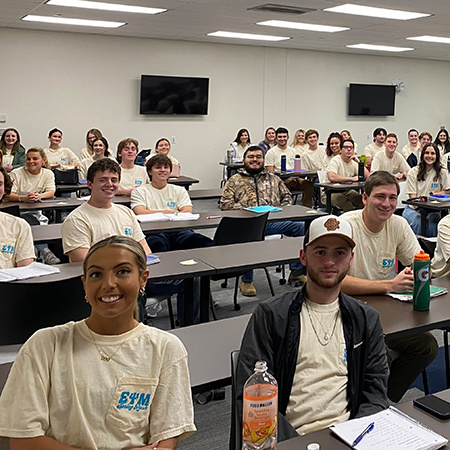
(103, 355)
(326, 337)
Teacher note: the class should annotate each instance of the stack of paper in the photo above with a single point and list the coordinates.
(435, 291)
(393, 430)
(161, 217)
(34, 270)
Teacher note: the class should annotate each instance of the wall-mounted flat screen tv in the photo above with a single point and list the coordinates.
(371, 100)
(174, 95)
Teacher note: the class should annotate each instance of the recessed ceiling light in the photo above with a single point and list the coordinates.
(380, 48)
(371, 11)
(438, 39)
(80, 22)
(105, 6)
(258, 37)
(302, 26)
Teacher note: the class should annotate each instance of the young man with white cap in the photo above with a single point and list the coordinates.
(325, 349)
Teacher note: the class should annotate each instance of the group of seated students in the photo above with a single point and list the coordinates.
(329, 358)
(423, 164)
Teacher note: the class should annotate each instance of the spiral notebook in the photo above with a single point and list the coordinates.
(393, 430)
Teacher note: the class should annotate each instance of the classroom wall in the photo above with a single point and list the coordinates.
(79, 81)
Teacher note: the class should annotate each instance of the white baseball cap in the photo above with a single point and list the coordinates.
(329, 226)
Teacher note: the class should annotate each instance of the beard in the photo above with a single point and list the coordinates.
(329, 283)
(253, 171)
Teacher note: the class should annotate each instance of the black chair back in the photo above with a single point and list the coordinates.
(14, 210)
(236, 426)
(28, 307)
(238, 230)
(427, 245)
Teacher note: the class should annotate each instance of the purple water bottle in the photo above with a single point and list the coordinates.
(297, 164)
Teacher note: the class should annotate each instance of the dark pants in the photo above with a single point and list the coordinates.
(177, 240)
(415, 354)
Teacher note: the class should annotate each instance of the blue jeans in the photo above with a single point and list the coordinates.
(173, 287)
(413, 218)
(288, 228)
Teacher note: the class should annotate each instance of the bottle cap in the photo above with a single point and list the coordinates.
(297, 156)
(313, 446)
(422, 256)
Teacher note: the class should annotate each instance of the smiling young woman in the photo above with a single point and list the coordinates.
(119, 383)
(428, 176)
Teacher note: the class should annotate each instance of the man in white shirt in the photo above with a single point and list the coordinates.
(381, 237)
(160, 196)
(379, 136)
(314, 155)
(389, 160)
(324, 348)
(413, 145)
(273, 163)
(16, 240)
(424, 139)
(342, 169)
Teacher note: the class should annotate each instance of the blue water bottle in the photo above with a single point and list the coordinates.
(283, 163)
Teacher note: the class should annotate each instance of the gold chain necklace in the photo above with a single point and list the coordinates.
(326, 337)
(103, 355)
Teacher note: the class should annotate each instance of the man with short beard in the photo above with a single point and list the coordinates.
(324, 348)
(255, 186)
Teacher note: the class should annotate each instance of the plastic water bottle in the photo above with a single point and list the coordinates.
(297, 164)
(283, 163)
(421, 293)
(360, 171)
(229, 156)
(259, 424)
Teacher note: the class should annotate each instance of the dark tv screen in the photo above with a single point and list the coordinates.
(174, 95)
(371, 100)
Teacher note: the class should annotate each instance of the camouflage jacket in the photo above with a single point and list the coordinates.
(244, 190)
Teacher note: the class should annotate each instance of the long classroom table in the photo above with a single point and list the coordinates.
(52, 232)
(328, 440)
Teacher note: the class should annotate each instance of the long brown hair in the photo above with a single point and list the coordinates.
(16, 145)
(421, 174)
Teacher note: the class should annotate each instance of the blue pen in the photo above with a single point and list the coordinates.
(359, 438)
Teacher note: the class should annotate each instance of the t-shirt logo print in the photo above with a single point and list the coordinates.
(332, 224)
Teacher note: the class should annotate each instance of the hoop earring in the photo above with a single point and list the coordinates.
(85, 297)
(142, 292)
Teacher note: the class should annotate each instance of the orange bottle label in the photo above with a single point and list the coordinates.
(260, 413)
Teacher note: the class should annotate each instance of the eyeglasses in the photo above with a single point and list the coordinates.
(254, 157)
(348, 147)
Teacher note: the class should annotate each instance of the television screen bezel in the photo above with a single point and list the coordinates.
(171, 77)
(391, 87)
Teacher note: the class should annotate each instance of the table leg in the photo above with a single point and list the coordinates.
(204, 298)
(188, 301)
(328, 205)
(423, 222)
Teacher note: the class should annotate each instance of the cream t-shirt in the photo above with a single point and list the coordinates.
(59, 387)
(132, 178)
(171, 197)
(440, 264)
(313, 159)
(375, 253)
(87, 225)
(299, 149)
(7, 157)
(419, 188)
(24, 182)
(16, 241)
(371, 149)
(408, 149)
(396, 164)
(319, 390)
(85, 164)
(340, 167)
(63, 156)
(273, 157)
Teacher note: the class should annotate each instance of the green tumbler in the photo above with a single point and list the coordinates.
(421, 293)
